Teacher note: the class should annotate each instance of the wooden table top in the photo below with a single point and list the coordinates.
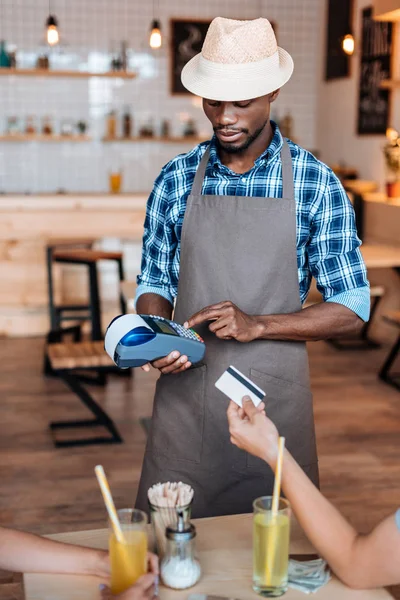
(225, 552)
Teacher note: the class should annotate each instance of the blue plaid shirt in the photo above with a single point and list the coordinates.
(327, 242)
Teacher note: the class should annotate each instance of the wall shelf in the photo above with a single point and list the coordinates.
(38, 137)
(389, 84)
(170, 140)
(68, 74)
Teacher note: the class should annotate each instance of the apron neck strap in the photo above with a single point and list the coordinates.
(287, 172)
(199, 177)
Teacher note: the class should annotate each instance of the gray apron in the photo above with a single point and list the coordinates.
(241, 249)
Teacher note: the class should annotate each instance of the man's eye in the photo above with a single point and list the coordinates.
(213, 104)
(242, 104)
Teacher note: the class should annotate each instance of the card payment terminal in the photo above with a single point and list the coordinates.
(134, 340)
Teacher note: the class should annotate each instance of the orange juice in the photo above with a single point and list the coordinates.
(115, 183)
(128, 561)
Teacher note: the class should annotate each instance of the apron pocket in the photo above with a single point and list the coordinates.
(289, 406)
(178, 415)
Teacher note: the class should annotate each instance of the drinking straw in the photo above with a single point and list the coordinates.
(109, 502)
(272, 538)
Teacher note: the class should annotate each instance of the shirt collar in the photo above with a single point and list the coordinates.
(273, 149)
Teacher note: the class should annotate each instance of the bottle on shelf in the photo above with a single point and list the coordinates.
(165, 129)
(5, 62)
(286, 126)
(190, 128)
(30, 127)
(111, 125)
(47, 127)
(124, 56)
(126, 124)
(12, 125)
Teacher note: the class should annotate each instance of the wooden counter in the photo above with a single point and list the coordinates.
(28, 222)
(26, 225)
(381, 218)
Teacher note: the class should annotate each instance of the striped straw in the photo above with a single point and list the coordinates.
(273, 531)
(109, 502)
(278, 477)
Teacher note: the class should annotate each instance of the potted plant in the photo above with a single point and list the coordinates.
(391, 151)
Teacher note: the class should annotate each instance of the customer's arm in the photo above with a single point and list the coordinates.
(359, 561)
(25, 552)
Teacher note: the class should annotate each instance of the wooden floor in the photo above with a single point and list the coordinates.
(45, 490)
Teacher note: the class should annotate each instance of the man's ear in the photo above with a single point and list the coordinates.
(273, 95)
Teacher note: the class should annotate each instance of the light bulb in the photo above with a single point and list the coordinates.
(348, 44)
(392, 134)
(155, 35)
(52, 35)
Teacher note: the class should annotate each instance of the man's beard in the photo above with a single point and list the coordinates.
(232, 149)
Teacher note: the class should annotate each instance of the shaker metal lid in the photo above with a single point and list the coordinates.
(181, 535)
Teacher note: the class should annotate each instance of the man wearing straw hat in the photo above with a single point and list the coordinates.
(234, 231)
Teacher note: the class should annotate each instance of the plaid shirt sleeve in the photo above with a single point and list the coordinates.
(159, 243)
(334, 251)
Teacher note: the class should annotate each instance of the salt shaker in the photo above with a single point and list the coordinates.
(179, 568)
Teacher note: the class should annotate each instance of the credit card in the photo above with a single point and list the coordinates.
(236, 385)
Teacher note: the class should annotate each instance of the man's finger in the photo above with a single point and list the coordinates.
(166, 360)
(248, 407)
(182, 368)
(219, 324)
(146, 367)
(209, 313)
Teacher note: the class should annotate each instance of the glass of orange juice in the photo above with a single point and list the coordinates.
(115, 182)
(128, 560)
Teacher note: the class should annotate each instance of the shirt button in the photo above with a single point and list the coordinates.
(244, 179)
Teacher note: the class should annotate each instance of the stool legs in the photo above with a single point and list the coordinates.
(95, 309)
(121, 278)
(101, 418)
(384, 373)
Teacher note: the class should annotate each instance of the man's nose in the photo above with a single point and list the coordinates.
(227, 117)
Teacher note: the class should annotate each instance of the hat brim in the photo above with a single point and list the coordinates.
(237, 86)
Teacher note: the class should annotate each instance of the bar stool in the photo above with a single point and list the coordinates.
(385, 373)
(80, 253)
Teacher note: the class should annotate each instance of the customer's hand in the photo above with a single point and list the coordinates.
(173, 363)
(143, 589)
(251, 430)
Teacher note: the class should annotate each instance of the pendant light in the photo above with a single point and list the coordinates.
(155, 40)
(52, 34)
(348, 44)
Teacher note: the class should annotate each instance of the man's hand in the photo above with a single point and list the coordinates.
(251, 430)
(173, 363)
(230, 323)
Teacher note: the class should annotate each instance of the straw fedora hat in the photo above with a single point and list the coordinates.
(239, 60)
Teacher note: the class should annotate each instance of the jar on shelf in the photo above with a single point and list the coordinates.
(12, 125)
(47, 126)
(180, 568)
(30, 127)
(67, 128)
